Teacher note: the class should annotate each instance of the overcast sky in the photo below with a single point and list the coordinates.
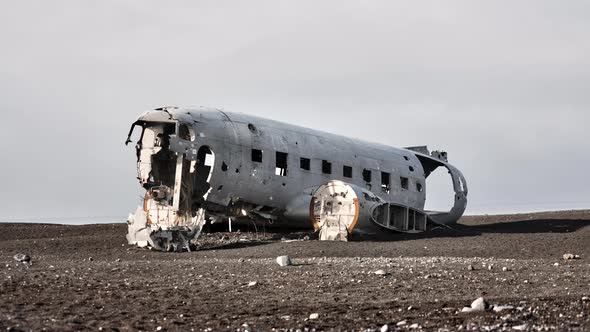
(503, 86)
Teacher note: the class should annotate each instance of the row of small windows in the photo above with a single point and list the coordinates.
(305, 164)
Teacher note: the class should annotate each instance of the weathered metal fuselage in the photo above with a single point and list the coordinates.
(198, 164)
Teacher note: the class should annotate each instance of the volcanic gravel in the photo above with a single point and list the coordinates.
(88, 278)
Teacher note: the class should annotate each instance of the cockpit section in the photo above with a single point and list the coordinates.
(176, 186)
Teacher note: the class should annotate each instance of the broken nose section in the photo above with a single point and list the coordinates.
(172, 214)
(144, 234)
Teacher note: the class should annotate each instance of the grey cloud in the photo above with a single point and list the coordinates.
(501, 85)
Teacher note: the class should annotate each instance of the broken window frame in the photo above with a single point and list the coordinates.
(367, 175)
(347, 171)
(404, 182)
(386, 182)
(257, 155)
(326, 167)
(186, 132)
(305, 163)
(281, 161)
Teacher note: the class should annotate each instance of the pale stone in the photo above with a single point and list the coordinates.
(284, 260)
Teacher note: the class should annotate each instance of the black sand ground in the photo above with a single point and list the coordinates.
(88, 278)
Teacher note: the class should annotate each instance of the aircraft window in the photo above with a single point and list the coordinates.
(419, 187)
(257, 155)
(185, 132)
(385, 182)
(281, 168)
(411, 169)
(326, 167)
(347, 171)
(405, 182)
(305, 163)
(367, 175)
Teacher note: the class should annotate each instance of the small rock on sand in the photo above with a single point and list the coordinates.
(569, 257)
(500, 308)
(22, 258)
(284, 260)
(478, 305)
(314, 316)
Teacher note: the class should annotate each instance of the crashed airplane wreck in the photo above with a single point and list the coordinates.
(202, 165)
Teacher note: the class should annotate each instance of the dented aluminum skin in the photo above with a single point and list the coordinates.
(203, 165)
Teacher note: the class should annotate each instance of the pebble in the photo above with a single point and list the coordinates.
(22, 258)
(568, 257)
(385, 328)
(402, 323)
(381, 273)
(520, 327)
(505, 269)
(284, 261)
(414, 326)
(586, 299)
(314, 316)
(470, 268)
(500, 308)
(478, 305)
(252, 284)
(159, 328)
